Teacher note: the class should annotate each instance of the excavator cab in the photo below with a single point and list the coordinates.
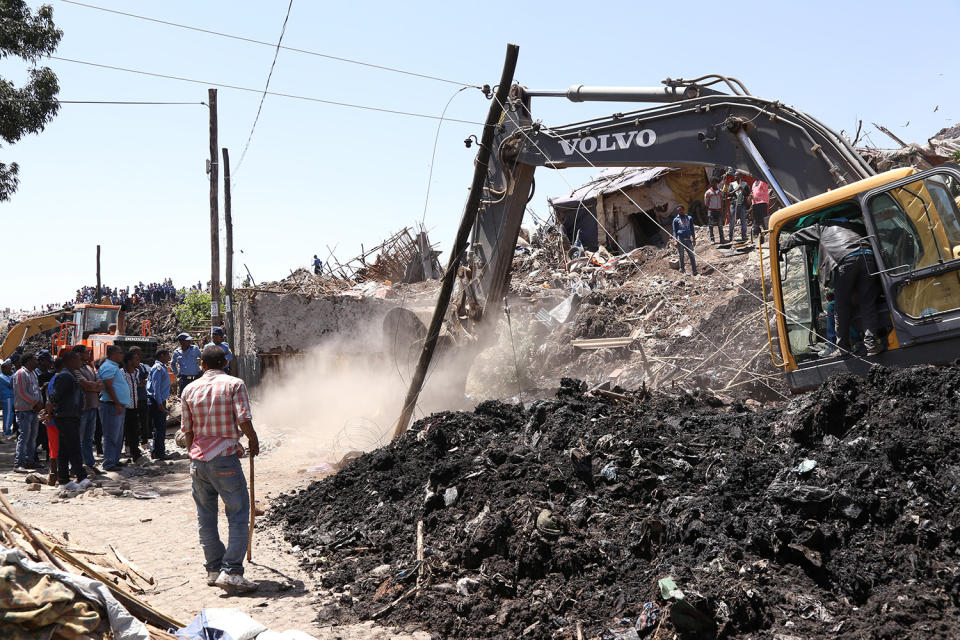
(913, 227)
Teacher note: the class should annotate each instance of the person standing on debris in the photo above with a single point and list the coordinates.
(217, 340)
(317, 265)
(738, 206)
(66, 405)
(845, 258)
(6, 397)
(113, 405)
(185, 361)
(27, 403)
(216, 411)
(683, 233)
(87, 379)
(713, 201)
(158, 390)
(760, 196)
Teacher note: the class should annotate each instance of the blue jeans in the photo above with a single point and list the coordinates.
(88, 424)
(158, 422)
(8, 413)
(686, 248)
(28, 422)
(221, 477)
(112, 433)
(738, 212)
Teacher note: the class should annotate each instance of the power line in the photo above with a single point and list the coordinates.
(269, 93)
(121, 102)
(273, 64)
(271, 45)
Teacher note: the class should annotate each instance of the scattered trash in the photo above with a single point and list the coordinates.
(806, 466)
(450, 496)
(669, 589)
(466, 586)
(546, 524)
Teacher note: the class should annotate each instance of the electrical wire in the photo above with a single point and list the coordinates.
(271, 45)
(119, 102)
(423, 218)
(269, 93)
(266, 87)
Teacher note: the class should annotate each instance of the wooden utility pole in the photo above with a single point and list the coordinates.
(460, 244)
(97, 299)
(214, 212)
(228, 221)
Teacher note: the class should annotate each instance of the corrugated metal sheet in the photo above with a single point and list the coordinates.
(611, 180)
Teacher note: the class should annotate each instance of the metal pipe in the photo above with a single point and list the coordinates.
(762, 164)
(582, 93)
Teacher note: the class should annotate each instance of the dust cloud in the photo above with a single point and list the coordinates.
(345, 396)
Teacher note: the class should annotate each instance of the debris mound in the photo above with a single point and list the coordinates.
(836, 516)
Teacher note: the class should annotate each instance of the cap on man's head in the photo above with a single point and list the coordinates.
(184, 337)
(44, 356)
(217, 331)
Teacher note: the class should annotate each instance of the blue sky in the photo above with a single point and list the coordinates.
(132, 179)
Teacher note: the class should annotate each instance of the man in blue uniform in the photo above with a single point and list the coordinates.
(186, 361)
(217, 339)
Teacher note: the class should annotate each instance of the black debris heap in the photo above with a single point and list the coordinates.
(602, 518)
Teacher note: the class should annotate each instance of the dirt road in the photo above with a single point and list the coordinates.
(157, 532)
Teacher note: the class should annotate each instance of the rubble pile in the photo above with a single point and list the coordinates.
(704, 332)
(163, 321)
(631, 515)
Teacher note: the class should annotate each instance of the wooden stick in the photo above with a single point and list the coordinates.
(253, 512)
(127, 564)
(419, 552)
(29, 534)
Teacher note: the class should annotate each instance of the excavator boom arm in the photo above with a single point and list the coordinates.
(799, 156)
(23, 331)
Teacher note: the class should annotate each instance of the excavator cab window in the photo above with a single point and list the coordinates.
(96, 320)
(918, 230)
(805, 300)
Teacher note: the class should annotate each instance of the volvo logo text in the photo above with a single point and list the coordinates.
(609, 142)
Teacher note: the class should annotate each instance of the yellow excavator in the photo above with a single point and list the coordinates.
(96, 326)
(23, 331)
(815, 174)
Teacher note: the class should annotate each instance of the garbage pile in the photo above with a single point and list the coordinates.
(640, 515)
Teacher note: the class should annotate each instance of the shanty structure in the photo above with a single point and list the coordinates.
(620, 199)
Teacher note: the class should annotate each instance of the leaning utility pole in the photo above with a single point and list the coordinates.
(228, 221)
(460, 244)
(214, 213)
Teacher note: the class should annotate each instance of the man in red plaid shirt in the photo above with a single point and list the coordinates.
(215, 412)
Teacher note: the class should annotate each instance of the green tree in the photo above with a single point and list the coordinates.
(195, 308)
(27, 109)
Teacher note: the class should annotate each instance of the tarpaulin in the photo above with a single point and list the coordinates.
(34, 582)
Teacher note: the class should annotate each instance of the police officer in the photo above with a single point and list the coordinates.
(186, 361)
(846, 258)
(217, 339)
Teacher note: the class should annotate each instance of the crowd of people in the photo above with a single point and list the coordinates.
(728, 199)
(155, 292)
(72, 405)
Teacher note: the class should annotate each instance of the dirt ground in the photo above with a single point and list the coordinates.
(159, 535)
